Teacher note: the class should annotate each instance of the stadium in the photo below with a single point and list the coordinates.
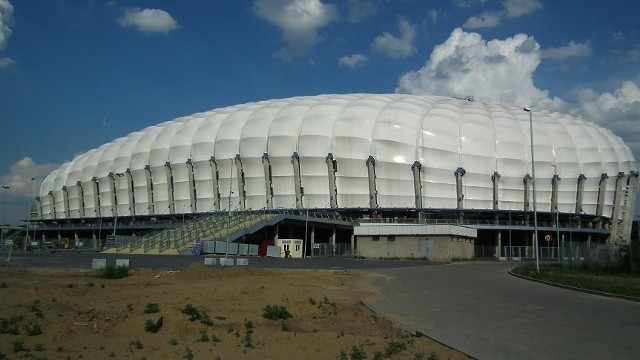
(372, 175)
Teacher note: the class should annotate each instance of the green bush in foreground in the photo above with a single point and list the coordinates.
(276, 312)
(113, 272)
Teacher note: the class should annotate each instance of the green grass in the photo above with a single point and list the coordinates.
(276, 312)
(590, 278)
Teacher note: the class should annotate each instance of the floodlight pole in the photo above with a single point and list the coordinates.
(533, 182)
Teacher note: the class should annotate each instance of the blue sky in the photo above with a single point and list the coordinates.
(77, 73)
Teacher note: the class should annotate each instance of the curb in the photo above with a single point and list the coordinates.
(574, 288)
(417, 333)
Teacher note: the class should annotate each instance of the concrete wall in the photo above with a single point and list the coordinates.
(438, 248)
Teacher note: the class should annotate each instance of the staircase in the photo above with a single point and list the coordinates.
(181, 240)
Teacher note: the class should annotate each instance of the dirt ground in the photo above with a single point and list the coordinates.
(65, 314)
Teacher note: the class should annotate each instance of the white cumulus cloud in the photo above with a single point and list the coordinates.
(21, 173)
(492, 71)
(148, 20)
(6, 21)
(397, 46)
(572, 49)
(299, 21)
(352, 61)
(487, 19)
(517, 8)
(511, 9)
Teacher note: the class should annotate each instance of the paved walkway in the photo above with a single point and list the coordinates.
(481, 310)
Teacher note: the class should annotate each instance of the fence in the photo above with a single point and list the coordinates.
(331, 250)
(567, 254)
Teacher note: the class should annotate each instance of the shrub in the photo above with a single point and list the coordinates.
(248, 332)
(10, 326)
(197, 314)
(276, 312)
(17, 346)
(151, 326)
(113, 272)
(151, 308)
(34, 330)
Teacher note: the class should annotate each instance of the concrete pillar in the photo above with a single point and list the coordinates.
(268, 181)
(313, 238)
(459, 173)
(495, 179)
(353, 245)
(52, 200)
(579, 193)
(149, 179)
(65, 202)
(332, 168)
(39, 207)
(554, 193)
(96, 196)
(114, 194)
(215, 179)
(170, 188)
(417, 183)
(499, 243)
(193, 195)
(297, 180)
(80, 198)
(242, 193)
(629, 207)
(615, 231)
(373, 192)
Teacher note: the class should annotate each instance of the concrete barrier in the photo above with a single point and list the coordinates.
(226, 261)
(99, 263)
(122, 263)
(242, 261)
(210, 262)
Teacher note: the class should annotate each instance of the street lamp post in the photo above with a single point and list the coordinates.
(555, 176)
(26, 233)
(533, 182)
(4, 213)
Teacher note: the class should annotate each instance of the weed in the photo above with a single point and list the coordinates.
(138, 344)
(215, 339)
(4, 285)
(173, 341)
(10, 326)
(394, 348)
(418, 356)
(312, 301)
(315, 330)
(90, 284)
(248, 332)
(151, 326)
(34, 330)
(35, 309)
(197, 314)
(60, 349)
(113, 272)
(17, 346)
(152, 308)
(204, 337)
(433, 356)
(285, 327)
(328, 307)
(276, 312)
(378, 355)
(38, 347)
(189, 354)
(220, 317)
(357, 353)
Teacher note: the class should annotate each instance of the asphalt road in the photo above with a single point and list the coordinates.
(479, 309)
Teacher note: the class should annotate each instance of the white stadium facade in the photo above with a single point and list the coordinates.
(355, 158)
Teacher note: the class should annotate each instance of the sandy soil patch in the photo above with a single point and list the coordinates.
(65, 314)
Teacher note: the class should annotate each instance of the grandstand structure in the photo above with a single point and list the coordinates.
(316, 167)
